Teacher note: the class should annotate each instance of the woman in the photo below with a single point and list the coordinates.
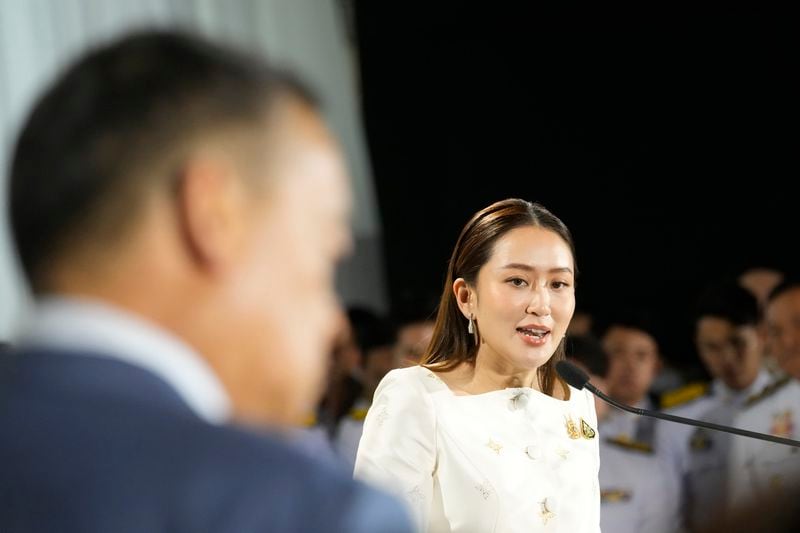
(484, 436)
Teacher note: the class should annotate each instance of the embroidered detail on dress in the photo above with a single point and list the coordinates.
(533, 452)
(416, 495)
(545, 513)
(383, 414)
(561, 452)
(494, 446)
(572, 428)
(518, 400)
(485, 490)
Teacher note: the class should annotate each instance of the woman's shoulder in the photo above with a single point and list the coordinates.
(580, 396)
(412, 379)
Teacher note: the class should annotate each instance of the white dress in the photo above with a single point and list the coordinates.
(506, 461)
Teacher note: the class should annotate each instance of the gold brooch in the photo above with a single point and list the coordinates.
(586, 430)
(572, 428)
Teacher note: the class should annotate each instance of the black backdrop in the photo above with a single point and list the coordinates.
(665, 140)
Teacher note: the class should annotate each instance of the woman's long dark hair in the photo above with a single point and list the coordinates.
(452, 344)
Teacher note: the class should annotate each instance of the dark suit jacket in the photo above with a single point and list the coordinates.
(90, 444)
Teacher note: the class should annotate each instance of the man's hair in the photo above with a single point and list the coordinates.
(729, 301)
(588, 351)
(117, 124)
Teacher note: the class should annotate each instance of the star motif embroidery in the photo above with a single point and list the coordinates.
(494, 446)
(415, 494)
(545, 513)
(561, 452)
(383, 414)
(484, 490)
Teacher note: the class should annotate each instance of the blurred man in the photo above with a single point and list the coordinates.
(730, 348)
(761, 472)
(636, 490)
(633, 362)
(178, 210)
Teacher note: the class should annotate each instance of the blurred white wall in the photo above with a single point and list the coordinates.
(37, 38)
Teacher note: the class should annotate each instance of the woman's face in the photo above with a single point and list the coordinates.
(524, 297)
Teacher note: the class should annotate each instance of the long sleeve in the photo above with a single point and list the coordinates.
(398, 447)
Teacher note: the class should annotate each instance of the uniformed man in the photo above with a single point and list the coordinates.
(634, 361)
(637, 493)
(727, 340)
(762, 471)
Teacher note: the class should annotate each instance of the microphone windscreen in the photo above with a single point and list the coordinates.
(572, 374)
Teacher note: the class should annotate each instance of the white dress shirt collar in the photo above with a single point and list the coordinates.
(737, 398)
(84, 325)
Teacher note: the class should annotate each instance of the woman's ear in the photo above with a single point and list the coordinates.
(464, 297)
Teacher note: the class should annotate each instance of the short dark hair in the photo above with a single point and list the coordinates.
(370, 330)
(788, 284)
(587, 350)
(126, 111)
(729, 301)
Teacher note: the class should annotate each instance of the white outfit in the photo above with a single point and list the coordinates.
(630, 426)
(512, 460)
(759, 469)
(636, 493)
(699, 457)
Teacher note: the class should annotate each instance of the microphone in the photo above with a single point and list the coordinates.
(580, 380)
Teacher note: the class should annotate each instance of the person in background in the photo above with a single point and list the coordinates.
(581, 324)
(760, 281)
(414, 334)
(345, 380)
(634, 361)
(485, 436)
(727, 340)
(178, 209)
(761, 472)
(636, 491)
(377, 338)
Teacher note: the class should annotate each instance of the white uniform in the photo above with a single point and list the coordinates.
(638, 492)
(348, 434)
(759, 470)
(699, 457)
(634, 489)
(629, 426)
(506, 461)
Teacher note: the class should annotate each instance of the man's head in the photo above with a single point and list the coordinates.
(634, 359)
(726, 334)
(196, 187)
(782, 321)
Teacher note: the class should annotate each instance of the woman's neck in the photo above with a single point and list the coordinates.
(489, 373)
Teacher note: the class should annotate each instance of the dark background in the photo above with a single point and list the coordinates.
(665, 140)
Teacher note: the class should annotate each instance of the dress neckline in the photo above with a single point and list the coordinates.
(511, 392)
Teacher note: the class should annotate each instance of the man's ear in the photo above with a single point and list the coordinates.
(210, 211)
(464, 297)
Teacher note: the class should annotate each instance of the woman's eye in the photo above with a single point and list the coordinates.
(517, 282)
(559, 284)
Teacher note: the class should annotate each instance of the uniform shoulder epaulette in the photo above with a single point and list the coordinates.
(358, 414)
(630, 444)
(767, 391)
(309, 421)
(684, 394)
